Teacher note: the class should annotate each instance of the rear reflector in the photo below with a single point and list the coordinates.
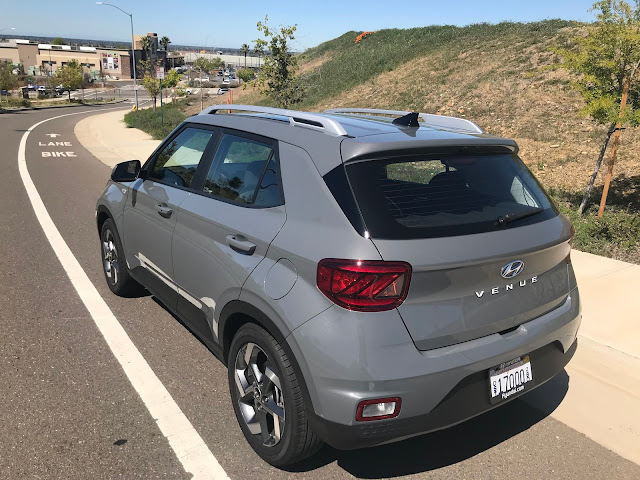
(378, 409)
(364, 285)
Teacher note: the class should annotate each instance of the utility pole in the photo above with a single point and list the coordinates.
(133, 50)
(616, 144)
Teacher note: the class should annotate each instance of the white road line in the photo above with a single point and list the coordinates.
(193, 453)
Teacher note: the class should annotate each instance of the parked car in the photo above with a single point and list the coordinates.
(4, 92)
(226, 81)
(366, 275)
(189, 90)
(60, 89)
(222, 91)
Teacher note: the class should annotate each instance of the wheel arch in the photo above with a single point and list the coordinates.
(237, 313)
(102, 215)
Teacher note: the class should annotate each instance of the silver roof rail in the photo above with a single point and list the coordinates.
(436, 121)
(296, 119)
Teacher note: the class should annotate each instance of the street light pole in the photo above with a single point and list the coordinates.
(133, 50)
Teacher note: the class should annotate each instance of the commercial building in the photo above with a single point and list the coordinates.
(45, 59)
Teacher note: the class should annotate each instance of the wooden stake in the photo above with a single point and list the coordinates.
(616, 144)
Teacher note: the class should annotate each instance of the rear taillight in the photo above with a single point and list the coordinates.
(364, 285)
(573, 233)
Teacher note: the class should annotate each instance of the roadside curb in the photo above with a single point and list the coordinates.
(13, 110)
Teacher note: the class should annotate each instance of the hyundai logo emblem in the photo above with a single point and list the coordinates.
(512, 269)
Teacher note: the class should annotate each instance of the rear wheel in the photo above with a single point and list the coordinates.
(114, 264)
(267, 398)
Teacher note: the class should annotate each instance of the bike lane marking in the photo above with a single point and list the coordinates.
(184, 440)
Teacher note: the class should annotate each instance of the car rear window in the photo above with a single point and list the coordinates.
(435, 196)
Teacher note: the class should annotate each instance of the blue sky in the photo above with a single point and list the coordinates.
(229, 24)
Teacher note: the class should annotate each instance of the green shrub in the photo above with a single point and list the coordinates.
(617, 231)
(14, 102)
(151, 122)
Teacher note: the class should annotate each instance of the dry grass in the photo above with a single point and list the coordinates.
(507, 90)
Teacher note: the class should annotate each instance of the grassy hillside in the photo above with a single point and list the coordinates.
(501, 77)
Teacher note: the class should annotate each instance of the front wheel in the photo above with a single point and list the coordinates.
(267, 398)
(114, 264)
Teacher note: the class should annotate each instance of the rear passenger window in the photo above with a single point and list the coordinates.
(244, 171)
(177, 162)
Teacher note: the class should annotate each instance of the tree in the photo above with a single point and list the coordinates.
(278, 78)
(8, 80)
(58, 41)
(244, 49)
(171, 79)
(164, 41)
(258, 50)
(145, 45)
(151, 84)
(69, 76)
(606, 62)
(246, 75)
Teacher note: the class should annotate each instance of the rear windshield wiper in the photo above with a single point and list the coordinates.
(512, 217)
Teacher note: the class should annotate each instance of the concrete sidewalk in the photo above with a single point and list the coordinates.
(603, 399)
(108, 139)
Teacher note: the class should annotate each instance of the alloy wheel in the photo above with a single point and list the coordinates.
(110, 258)
(260, 397)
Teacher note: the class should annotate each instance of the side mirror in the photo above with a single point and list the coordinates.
(126, 171)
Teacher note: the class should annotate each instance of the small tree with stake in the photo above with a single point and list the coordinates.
(606, 61)
(151, 84)
(278, 77)
(69, 76)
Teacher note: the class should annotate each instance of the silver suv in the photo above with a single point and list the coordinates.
(366, 275)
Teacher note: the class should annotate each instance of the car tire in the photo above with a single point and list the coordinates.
(267, 398)
(114, 265)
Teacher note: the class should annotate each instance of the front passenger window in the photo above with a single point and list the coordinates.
(177, 162)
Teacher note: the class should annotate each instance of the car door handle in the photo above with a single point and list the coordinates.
(164, 210)
(240, 244)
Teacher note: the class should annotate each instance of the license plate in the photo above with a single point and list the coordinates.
(509, 378)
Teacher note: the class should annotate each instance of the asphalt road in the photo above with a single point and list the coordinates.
(67, 409)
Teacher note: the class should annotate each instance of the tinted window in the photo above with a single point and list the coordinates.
(452, 195)
(177, 162)
(244, 171)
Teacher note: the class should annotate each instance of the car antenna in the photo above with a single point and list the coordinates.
(408, 120)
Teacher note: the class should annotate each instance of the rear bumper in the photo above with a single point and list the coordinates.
(468, 399)
(346, 357)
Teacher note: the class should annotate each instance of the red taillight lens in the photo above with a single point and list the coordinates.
(573, 233)
(364, 285)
